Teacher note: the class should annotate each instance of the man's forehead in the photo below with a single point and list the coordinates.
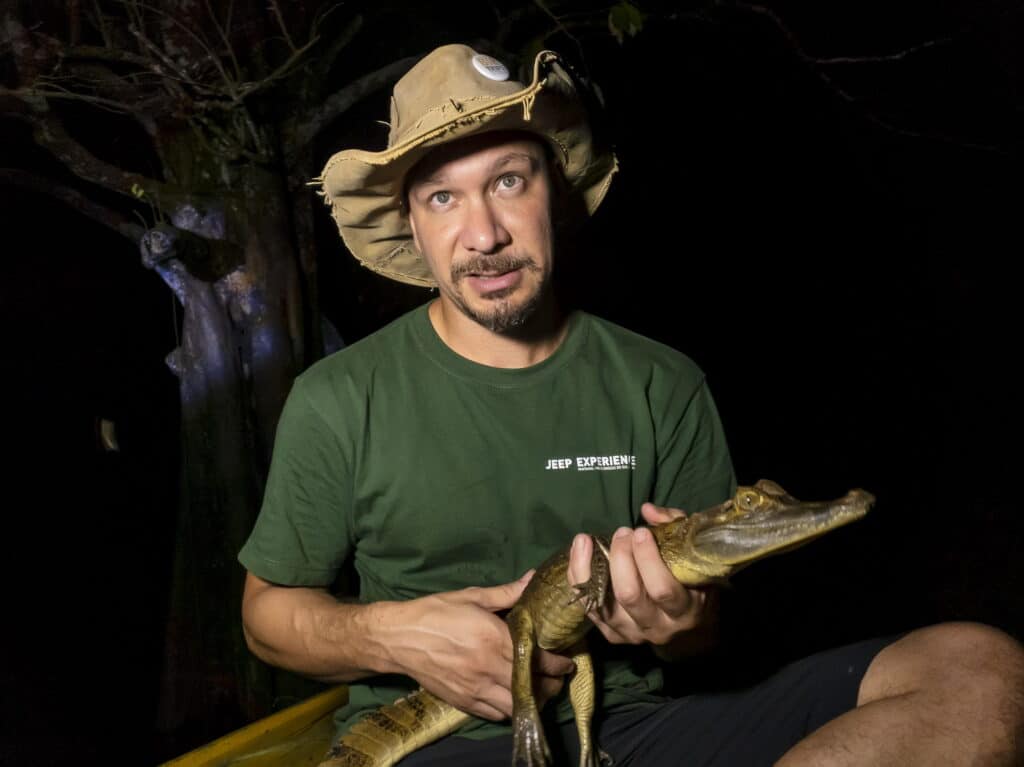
(499, 148)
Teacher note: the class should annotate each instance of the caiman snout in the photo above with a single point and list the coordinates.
(764, 519)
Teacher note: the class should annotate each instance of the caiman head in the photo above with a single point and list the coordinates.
(758, 521)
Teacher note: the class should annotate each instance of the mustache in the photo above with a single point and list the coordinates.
(496, 264)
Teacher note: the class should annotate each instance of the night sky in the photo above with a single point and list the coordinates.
(833, 244)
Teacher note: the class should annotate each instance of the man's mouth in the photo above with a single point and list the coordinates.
(490, 282)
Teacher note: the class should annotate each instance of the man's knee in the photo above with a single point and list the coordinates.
(947, 654)
(976, 668)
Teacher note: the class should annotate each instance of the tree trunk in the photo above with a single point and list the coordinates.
(241, 345)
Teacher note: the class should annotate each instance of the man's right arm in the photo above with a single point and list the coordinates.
(452, 643)
(308, 631)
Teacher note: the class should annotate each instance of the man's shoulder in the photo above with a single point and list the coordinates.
(639, 352)
(362, 360)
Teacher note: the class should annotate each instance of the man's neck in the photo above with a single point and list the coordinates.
(526, 346)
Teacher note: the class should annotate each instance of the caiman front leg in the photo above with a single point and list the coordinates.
(591, 594)
(529, 745)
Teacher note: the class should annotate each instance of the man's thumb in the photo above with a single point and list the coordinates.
(659, 515)
(502, 596)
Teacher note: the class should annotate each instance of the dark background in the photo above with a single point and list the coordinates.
(833, 244)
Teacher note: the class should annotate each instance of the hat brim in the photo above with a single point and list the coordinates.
(364, 189)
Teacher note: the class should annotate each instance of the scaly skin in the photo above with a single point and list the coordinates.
(701, 549)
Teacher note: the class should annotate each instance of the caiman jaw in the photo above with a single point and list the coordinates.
(760, 521)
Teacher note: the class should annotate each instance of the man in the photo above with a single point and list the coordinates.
(458, 447)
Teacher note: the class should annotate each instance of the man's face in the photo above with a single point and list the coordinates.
(480, 212)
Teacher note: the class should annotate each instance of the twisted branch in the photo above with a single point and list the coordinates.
(80, 202)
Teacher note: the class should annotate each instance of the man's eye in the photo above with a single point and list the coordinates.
(510, 181)
(441, 198)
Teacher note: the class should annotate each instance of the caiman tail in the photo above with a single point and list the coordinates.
(392, 732)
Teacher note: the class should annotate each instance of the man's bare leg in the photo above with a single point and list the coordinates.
(950, 694)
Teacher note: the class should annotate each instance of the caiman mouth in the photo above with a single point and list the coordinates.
(754, 534)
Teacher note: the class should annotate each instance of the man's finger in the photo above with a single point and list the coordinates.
(498, 701)
(579, 559)
(500, 597)
(610, 633)
(485, 711)
(659, 515)
(626, 583)
(662, 589)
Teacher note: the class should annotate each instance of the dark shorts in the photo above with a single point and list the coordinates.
(741, 728)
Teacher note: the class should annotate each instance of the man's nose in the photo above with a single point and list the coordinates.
(482, 229)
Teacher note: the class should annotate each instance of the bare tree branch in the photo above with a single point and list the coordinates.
(37, 56)
(74, 21)
(555, 18)
(815, 65)
(223, 32)
(49, 133)
(105, 53)
(99, 20)
(249, 88)
(313, 121)
(321, 18)
(280, 23)
(319, 66)
(211, 55)
(561, 27)
(72, 197)
(50, 90)
(229, 145)
(884, 58)
(170, 65)
(229, 15)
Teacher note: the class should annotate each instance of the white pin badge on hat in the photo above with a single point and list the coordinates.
(490, 68)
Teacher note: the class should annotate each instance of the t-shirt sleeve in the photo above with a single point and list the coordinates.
(694, 466)
(303, 532)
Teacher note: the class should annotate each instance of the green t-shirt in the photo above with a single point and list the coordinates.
(436, 473)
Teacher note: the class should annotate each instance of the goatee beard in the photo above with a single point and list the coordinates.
(501, 314)
(504, 315)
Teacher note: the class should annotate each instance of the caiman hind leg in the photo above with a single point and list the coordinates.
(581, 694)
(529, 744)
(591, 595)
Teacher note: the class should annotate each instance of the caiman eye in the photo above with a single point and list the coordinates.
(750, 499)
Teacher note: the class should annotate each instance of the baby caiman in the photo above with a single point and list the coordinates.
(699, 549)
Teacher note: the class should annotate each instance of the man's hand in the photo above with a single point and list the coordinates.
(454, 645)
(649, 605)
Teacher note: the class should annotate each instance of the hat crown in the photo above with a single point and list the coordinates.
(438, 88)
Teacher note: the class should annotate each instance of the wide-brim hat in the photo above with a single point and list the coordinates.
(452, 93)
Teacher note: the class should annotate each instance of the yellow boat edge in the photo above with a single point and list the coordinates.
(267, 735)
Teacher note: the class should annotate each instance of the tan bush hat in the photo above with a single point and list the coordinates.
(451, 93)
